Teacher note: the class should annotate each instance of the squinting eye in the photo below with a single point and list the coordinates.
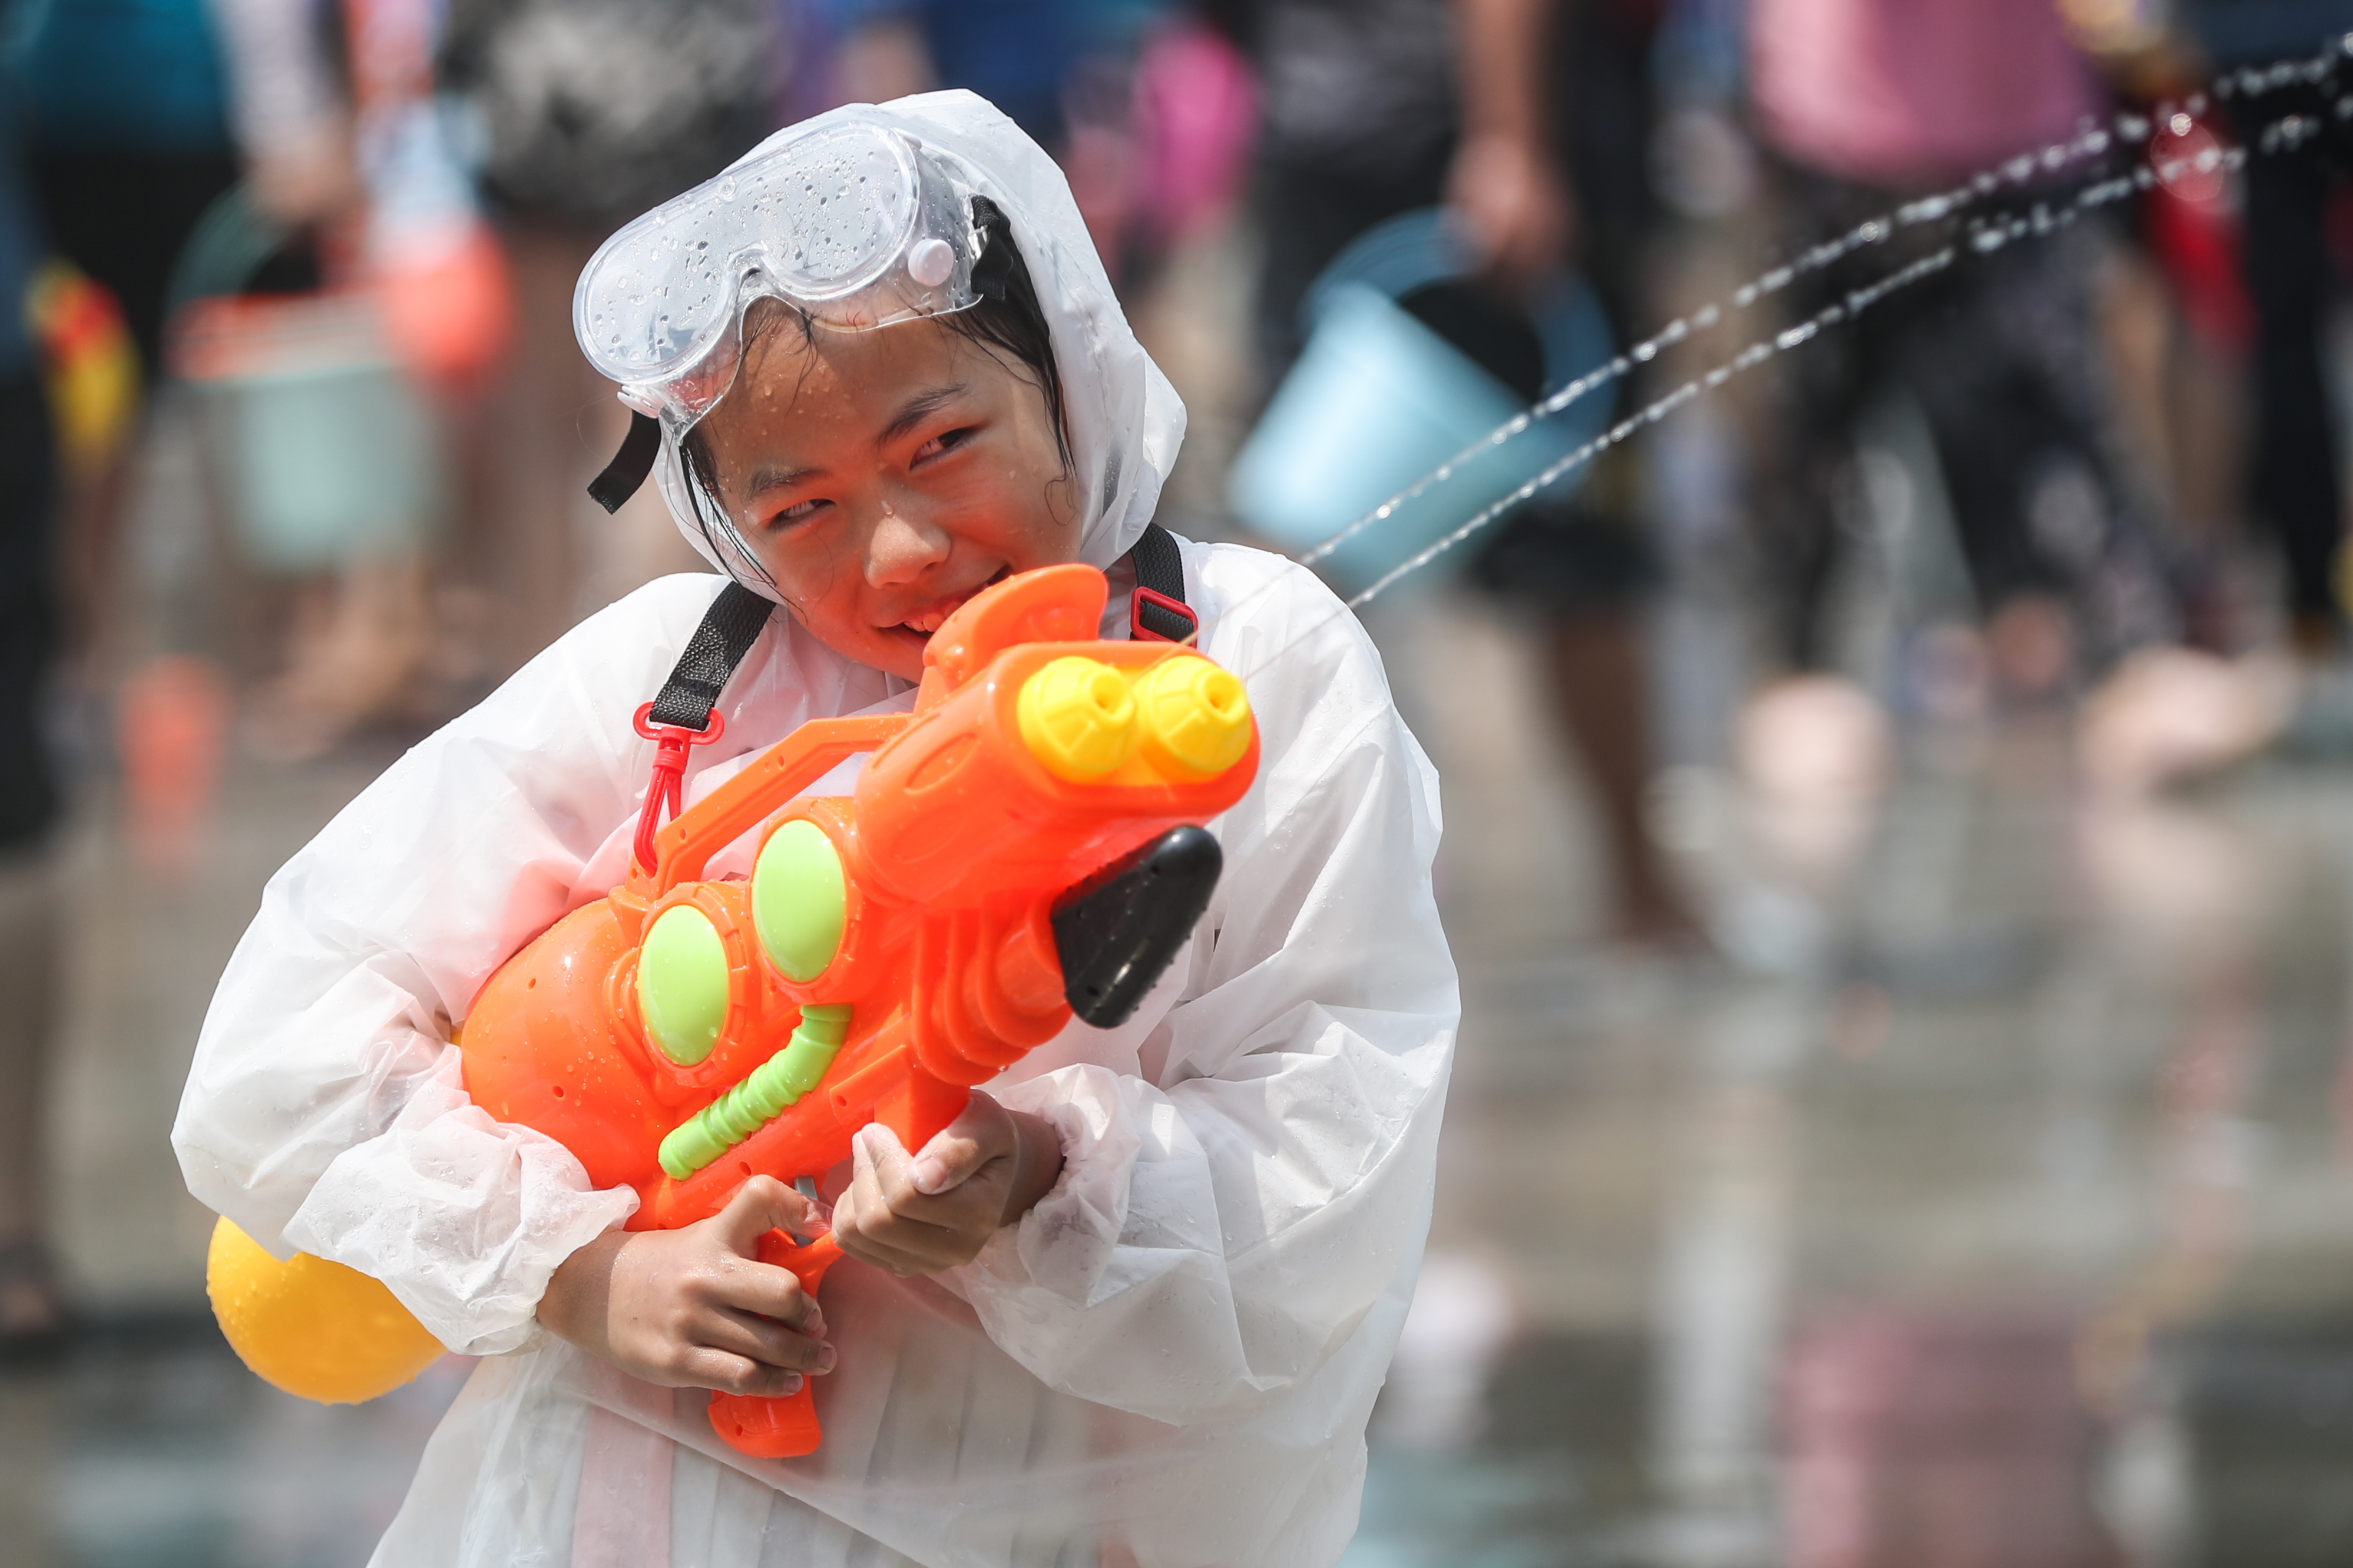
(940, 443)
(799, 512)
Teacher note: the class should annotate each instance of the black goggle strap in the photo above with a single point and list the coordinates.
(630, 465)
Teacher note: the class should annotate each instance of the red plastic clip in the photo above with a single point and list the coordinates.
(1142, 599)
(665, 788)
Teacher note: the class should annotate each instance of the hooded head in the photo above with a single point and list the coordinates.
(1121, 422)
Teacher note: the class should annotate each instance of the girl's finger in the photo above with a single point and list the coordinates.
(883, 1163)
(771, 1292)
(849, 1207)
(764, 1340)
(900, 1179)
(905, 1265)
(884, 1194)
(905, 1246)
(978, 1135)
(730, 1374)
(760, 1206)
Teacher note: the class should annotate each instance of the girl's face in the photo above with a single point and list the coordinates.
(885, 477)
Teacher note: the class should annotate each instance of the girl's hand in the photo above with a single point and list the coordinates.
(936, 1209)
(694, 1308)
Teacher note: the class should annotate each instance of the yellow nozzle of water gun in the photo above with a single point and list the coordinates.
(1077, 718)
(1195, 716)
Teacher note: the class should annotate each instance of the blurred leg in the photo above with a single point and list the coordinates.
(2295, 482)
(522, 458)
(2007, 378)
(122, 219)
(1804, 456)
(1600, 689)
(29, 915)
(1588, 578)
(30, 955)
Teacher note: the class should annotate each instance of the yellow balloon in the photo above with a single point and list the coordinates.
(310, 1327)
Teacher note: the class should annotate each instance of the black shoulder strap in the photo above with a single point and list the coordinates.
(728, 630)
(1158, 611)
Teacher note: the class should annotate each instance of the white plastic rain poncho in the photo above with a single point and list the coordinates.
(1169, 1360)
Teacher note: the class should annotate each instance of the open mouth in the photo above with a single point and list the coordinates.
(929, 619)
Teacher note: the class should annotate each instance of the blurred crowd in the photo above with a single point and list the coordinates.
(2091, 476)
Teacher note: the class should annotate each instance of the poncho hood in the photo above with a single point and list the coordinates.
(1124, 422)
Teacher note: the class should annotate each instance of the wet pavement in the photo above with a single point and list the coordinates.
(1993, 1210)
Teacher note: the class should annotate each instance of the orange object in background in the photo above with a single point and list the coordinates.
(1024, 844)
(90, 369)
(171, 735)
(447, 302)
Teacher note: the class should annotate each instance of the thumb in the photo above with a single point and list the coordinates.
(981, 1132)
(760, 1206)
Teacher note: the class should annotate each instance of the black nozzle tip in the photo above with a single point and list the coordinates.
(1117, 930)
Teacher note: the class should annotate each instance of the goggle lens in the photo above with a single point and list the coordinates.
(842, 222)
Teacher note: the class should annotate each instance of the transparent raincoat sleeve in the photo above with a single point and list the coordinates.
(1231, 1209)
(325, 1110)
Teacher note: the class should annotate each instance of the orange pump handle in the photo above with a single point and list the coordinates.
(744, 802)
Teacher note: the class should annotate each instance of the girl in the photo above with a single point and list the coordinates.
(1134, 1307)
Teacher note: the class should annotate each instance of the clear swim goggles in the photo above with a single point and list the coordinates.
(856, 226)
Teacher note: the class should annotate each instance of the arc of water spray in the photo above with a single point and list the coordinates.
(2129, 129)
(2039, 220)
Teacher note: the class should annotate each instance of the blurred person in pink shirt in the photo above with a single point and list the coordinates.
(1911, 93)
(1861, 105)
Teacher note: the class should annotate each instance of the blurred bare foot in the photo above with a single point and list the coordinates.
(1813, 737)
(1816, 755)
(2171, 715)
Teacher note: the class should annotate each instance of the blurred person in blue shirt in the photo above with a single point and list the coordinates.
(1023, 56)
(127, 110)
(1063, 71)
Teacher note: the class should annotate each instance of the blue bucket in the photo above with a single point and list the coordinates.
(1376, 401)
(330, 464)
(326, 453)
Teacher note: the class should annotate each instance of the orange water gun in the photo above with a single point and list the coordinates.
(1025, 845)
